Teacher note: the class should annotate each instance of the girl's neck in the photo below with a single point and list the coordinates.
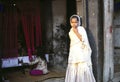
(74, 27)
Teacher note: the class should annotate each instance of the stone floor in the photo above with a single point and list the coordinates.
(18, 76)
(55, 80)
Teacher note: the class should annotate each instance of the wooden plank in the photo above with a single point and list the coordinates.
(108, 41)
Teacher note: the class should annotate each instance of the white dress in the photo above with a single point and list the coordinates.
(79, 62)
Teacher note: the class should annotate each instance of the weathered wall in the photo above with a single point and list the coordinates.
(59, 56)
(116, 41)
(94, 25)
(81, 10)
(79, 5)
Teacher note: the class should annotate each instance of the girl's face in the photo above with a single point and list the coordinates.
(74, 22)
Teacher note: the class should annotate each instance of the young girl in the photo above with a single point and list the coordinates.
(79, 62)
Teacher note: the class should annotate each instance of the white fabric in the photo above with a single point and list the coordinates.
(79, 72)
(42, 65)
(79, 62)
(13, 62)
(77, 53)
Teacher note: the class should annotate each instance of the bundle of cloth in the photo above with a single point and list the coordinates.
(41, 67)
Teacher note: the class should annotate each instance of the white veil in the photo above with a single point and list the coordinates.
(79, 19)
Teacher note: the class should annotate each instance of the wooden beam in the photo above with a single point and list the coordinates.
(108, 41)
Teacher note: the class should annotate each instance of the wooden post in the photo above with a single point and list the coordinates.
(108, 41)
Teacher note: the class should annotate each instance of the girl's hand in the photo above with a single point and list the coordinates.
(75, 30)
(83, 45)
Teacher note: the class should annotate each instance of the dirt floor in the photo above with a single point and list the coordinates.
(20, 76)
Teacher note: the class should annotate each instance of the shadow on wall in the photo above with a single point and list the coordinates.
(94, 51)
(58, 59)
